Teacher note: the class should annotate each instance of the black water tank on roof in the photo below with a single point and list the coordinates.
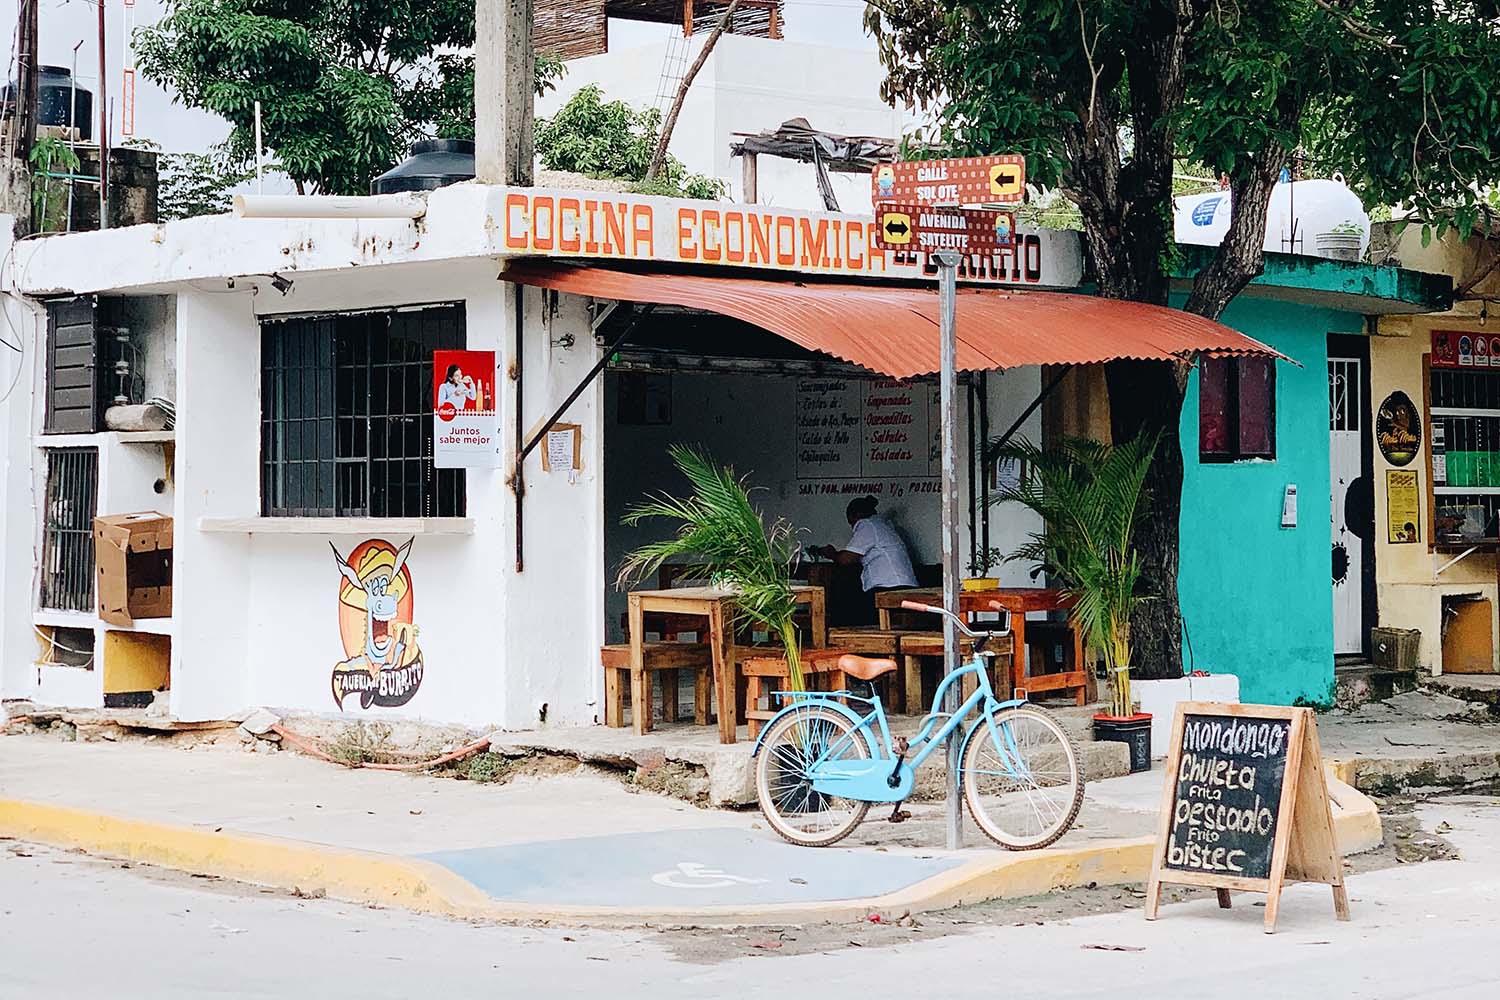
(433, 163)
(54, 86)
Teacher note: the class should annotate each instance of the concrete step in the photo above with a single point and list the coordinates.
(1483, 688)
(1359, 682)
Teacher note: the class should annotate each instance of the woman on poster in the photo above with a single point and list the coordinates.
(457, 388)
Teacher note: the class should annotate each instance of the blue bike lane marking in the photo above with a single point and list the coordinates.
(712, 866)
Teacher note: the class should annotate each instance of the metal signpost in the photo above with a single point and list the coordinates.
(917, 209)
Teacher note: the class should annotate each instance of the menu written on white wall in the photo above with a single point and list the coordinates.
(861, 436)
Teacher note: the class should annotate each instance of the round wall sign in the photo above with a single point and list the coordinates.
(1398, 429)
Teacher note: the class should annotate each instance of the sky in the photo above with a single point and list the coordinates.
(65, 23)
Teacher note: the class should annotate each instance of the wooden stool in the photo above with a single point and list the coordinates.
(871, 640)
(665, 658)
(917, 645)
(820, 671)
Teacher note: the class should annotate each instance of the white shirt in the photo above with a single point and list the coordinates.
(458, 395)
(884, 561)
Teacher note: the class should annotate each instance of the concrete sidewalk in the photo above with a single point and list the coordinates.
(576, 847)
(1413, 742)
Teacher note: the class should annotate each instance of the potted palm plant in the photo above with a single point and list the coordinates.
(1091, 499)
(721, 534)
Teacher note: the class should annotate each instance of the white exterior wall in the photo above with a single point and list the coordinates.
(748, 85)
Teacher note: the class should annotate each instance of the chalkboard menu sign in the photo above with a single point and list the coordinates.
(1227, 794)
(1245, 806)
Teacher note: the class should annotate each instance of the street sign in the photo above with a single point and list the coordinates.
(975, 180)
(925, 229)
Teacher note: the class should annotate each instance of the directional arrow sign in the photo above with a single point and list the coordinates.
(925, 229)
(977, 180)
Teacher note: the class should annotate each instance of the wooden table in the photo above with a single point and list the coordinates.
(1017, 601)
(716, 605)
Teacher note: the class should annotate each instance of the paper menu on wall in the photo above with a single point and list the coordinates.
(560, 450)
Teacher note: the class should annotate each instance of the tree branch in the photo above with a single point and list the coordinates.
(659, 157)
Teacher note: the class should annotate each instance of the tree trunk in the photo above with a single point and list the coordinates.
(659, 157)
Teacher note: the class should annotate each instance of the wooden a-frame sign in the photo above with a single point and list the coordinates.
(1245, 806)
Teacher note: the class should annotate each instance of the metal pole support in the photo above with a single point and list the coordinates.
(947, 263)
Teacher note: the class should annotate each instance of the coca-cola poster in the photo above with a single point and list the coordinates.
(465, 425)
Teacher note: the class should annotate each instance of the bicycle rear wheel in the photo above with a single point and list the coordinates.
(783, 784)
(1025, 792)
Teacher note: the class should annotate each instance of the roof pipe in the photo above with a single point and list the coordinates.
(277, 206)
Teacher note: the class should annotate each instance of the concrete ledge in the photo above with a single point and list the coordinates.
(1394, 775)
(422, 886)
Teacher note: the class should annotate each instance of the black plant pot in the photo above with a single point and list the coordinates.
(1132, 730)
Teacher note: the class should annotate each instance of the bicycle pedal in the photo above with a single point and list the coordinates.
(900, 815)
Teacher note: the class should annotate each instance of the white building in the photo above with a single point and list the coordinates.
(748, 85)
(286, 440)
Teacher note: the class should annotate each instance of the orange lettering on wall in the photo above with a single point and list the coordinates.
(515, 221)
(878, 257)
(686, 248)
(713, 236)
(643, 226)
(542, 231)
(853, 239)
(786, 240)
(614, 228)
(590, 223)
(760, 239)
(837, 243)
(568, 219)
(814, 243)
(734, 226)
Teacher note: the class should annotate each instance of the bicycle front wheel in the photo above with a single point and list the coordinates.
(795, 744)
(1025, 790)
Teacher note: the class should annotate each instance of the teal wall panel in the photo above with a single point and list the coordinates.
(1257, 599)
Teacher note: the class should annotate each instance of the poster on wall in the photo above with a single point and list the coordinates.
(1398, 429)
(383, 663)
(867, 429)
(465, 425)
(1402, 506)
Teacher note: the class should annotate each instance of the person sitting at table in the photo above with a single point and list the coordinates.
(877, 549)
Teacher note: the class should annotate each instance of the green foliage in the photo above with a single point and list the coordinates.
(48, 158)
(1091, 500)
(1396, 95)
(719, 531)
(600, 138)
(194, 184)
(344, 85)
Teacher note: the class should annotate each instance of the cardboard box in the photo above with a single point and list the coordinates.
(133, 556)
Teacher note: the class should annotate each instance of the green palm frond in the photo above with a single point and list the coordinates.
(1091, 500)
(719, 530)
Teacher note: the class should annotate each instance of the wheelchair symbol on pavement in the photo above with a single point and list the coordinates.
(692, 875)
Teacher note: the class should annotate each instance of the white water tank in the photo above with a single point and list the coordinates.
(1320, 218)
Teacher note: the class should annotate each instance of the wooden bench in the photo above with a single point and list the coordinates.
(666, 659)
(871, 640)
(915, 646)
(820, 672)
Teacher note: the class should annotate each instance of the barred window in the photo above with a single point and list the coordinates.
(346, 415)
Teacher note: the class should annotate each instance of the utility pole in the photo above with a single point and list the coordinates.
(504, 89)
(947, 264)
(103, 127)
(26, 80)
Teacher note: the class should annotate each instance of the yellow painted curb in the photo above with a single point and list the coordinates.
(358, 876)
(413, 884)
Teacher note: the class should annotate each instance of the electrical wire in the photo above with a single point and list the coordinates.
(66, 649)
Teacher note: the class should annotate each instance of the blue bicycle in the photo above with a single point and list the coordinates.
(820, 764)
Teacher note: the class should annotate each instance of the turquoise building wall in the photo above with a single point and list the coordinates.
(1257, 599)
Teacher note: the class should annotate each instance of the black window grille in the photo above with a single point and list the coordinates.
(68, 529)
(346, 415)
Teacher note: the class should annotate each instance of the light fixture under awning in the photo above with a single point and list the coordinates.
(894, 331)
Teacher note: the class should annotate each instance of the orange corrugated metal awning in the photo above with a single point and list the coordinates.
(894, 331)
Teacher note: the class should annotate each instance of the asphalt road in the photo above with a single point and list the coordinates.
(78, 926)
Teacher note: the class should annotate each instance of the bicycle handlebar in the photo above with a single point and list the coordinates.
(959, 622)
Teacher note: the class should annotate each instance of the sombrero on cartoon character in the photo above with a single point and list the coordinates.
(375, 607)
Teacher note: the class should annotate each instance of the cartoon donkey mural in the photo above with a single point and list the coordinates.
(381, 648)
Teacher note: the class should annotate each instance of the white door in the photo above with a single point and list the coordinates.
(1344, 422)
